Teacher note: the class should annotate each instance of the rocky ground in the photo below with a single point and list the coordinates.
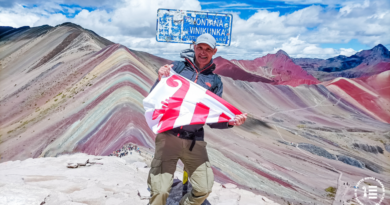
(103, 180)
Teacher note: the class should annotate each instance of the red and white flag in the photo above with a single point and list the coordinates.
(177, 101)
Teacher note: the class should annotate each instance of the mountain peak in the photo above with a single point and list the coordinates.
(381, 50)
(380, 46)
(282, 52)
(70, 24)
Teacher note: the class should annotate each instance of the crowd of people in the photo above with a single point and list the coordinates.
(125, 150)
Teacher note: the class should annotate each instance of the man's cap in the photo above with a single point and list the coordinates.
(207, 39)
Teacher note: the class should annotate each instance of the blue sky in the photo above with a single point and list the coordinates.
(302, 28)
(247, 8)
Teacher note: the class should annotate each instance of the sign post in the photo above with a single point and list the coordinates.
(180, 26)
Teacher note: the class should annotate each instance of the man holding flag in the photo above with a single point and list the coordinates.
(187, 142)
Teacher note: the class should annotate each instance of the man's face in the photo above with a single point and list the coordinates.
(204, 53)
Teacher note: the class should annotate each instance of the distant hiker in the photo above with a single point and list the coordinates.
(187, 142)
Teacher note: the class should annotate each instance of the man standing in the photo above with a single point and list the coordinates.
(187, 142)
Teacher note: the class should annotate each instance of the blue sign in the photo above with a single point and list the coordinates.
(180, 26)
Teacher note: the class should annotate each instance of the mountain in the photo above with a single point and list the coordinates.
(10, 31)
(371, 94)
(5, 28)
(227, 68)
(66, 90)
(277, 69)
(280, 69)
(363, 63)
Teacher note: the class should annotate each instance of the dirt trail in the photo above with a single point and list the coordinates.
(338, 199)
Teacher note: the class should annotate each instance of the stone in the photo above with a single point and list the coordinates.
(72, 165)
(229, 186)
(143, 193)
(316, 150)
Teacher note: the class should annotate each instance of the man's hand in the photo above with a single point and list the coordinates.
(238, 120)
(164, 71)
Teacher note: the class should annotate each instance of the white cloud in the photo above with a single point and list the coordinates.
(84, 3)
(211, 2)
(265, 23)
(132, 23)
(347, 51)
(16, 17)
(307, 17)
(298, 48)
(266, 32)
(350, 6)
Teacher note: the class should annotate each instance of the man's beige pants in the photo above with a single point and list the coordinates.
(169, 149)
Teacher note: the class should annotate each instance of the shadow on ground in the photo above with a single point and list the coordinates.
(176, 193)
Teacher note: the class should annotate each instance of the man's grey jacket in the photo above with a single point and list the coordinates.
(205, 78)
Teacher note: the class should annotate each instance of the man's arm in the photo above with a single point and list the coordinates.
(165, 71)
(162, 71)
